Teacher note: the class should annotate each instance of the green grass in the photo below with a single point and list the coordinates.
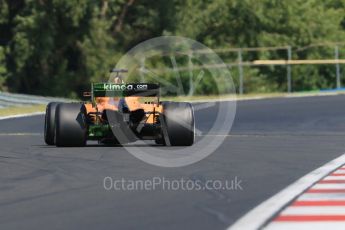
(246, 96)
(224, 97)
(8, 111)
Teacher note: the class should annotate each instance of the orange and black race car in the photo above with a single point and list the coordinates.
(119, 114)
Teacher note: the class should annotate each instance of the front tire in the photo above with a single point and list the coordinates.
(179, 123)
(71, 126)
(49, 123)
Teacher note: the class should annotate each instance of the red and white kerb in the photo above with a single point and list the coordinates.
(322, 206)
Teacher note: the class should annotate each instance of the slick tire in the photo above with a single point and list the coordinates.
(49, 123)
(179, 123)
(71, 126)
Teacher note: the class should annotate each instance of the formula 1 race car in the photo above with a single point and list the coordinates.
(118, 114)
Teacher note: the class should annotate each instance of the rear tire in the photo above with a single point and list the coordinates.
(49, 123)
(179, 123)
(71, 127)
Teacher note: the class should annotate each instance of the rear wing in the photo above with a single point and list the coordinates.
(124, 90)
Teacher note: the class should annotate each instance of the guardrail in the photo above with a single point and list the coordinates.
(11, 99)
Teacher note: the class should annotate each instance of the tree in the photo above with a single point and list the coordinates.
(57, 47)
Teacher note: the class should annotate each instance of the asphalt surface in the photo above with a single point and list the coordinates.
(273, 143)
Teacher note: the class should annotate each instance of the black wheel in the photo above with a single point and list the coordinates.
(49, 123)
(178, 120)
(71, 126)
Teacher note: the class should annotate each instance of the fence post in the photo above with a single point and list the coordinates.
(240, 70)
(288, 68)
(337, 66)
(142, 69)
(190, 68)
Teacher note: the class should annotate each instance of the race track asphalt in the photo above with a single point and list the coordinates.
(273, 143)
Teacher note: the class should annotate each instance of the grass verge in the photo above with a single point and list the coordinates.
(8, 111)
(249, 96)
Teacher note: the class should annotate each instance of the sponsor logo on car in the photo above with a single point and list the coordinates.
(124, 87)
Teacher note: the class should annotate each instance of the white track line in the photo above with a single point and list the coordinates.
(21, 134)
(258, 216)
(22, 115)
